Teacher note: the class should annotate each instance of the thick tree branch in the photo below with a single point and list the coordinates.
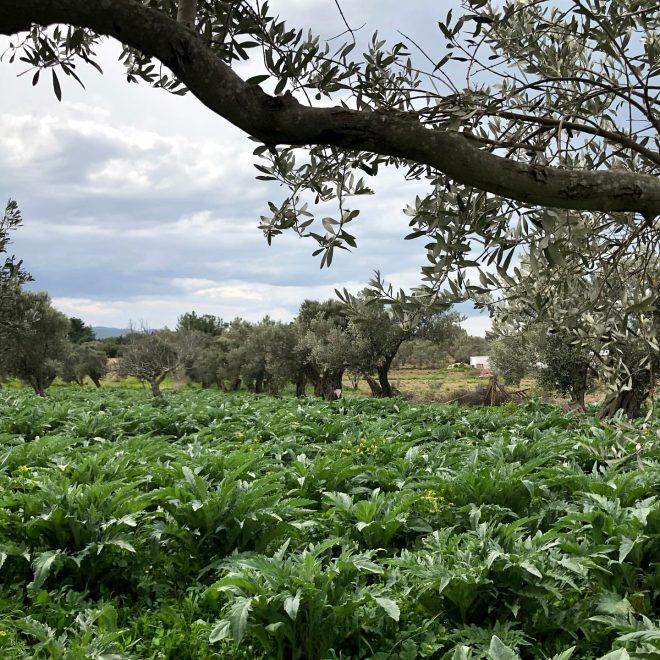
(186, 13)
(282, 120)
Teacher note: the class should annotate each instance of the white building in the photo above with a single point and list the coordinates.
(480, 361)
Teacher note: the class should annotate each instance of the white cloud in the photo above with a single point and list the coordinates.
(477, 325)
(142, 205)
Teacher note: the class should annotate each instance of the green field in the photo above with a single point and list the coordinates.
(231, 526)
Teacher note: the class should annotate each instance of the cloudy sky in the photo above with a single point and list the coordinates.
(140, 205)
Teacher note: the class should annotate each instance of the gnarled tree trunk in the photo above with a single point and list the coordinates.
(301, 384)
(328, 385)
(627, 401)
(374, 386)
(155, 387)
(384, 380)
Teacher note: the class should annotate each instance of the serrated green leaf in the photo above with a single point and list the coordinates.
(291, 605)
(498, 650)
(390, 607)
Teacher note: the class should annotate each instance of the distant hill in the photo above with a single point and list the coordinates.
(103, 332)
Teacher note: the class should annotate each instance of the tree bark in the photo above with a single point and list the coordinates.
(384, 379)
(187, 12)
(627, 401)
(577, 400)
(155, 387)
(374, 386)
(301, 384)
(283, 120)
(96, 380)
(330, 384)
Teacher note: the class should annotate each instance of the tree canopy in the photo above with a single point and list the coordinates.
(550, 134)
(12, 275)
(33, 352)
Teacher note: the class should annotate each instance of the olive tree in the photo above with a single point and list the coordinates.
(33, 353)
(537, 126)
(617, 338)
(271, 360)
(324, 346)
(379, 330)
(79, 361)
(151, 356)
(233, 344)
(12, 276)
(552, 357)
(565, 367)
(512, 358)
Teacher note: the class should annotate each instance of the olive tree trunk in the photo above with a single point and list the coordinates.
(155, 387)
(374, 386)
(301, 384)
(577, 400)
(627, 401)
(328, 385)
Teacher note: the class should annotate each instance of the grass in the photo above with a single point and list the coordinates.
(437, 384)
(232, 526)
(423, 385)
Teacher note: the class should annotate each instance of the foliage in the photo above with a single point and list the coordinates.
(564, 367)
(547, 143)
(12, 276)
(233, 526)
(513, 358)
(32, 353)
(151, 355)
(82, 360)
(112, 345)
(618, 337)
(325, 346)
(79, 332)
(378, 331)
(206, 323)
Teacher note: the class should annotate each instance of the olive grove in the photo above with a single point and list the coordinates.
(546, 144)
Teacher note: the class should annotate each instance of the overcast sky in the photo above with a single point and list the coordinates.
(140, 206)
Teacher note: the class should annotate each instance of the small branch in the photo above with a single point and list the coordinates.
(612, 136)
(503, 144)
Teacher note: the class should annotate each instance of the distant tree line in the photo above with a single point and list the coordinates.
(325, 341)
(356, 334)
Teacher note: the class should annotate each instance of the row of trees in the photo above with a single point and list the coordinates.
(554, 332)
(546, 141)
(360, 334)
(327, 339)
